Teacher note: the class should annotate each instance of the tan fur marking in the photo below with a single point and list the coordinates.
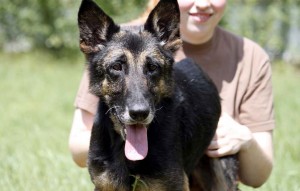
(186, 186)
(103, 31)
(174, 45)
(129, 56)
(87, 49)
(103, 183)
(159, 185)
(105, 87)
(117, 127)
(163, 89)
(153, 185)
(113, 53)
(120, 34)
(130, 63)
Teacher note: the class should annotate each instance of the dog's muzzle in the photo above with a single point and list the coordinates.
(135, 122)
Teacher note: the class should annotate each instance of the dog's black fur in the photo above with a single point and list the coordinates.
(134, 74)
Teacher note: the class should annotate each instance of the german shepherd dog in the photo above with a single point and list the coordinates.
(155, 118)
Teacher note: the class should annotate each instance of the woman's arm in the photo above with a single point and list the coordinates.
(256, 161)
(79, 139)
(255, 150)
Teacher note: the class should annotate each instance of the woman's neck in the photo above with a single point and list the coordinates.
(197, 38)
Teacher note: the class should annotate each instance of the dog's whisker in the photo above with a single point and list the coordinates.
(109, 110)
(155, 114)
(114, 107)
(159, 108)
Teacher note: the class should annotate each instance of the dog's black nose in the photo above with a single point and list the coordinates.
(139, 112)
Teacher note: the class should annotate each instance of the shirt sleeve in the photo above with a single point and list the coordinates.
(84, 99)
(256, 110)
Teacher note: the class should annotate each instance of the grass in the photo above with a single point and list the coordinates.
(37, 93)
(36, 107)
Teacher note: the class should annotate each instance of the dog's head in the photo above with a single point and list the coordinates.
(130, 70)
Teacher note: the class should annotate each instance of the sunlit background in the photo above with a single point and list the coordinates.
(41, 66)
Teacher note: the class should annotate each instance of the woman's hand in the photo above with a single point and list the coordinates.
(230, 138)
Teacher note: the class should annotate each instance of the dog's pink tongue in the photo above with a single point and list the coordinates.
(136, 145)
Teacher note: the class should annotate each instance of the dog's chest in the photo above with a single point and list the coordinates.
(105, 181)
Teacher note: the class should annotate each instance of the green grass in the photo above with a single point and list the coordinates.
(37, 94)
(36, 108)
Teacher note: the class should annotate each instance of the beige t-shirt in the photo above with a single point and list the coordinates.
(241, 71)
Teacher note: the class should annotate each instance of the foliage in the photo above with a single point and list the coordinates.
(138, 183)
(273, 24)
(38, 23)
(27, 24)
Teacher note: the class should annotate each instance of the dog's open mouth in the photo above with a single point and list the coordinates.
(136, 143)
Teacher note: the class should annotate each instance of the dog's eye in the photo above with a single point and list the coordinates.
(152, 67)
(117, 66)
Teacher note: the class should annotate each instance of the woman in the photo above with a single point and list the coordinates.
(241, 71)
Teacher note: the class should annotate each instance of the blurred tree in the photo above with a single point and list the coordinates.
(27, 24)
(273, 24)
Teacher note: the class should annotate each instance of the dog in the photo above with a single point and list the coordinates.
(155, 117)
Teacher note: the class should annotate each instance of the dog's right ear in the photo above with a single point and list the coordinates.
(163, 23)
(95, 27)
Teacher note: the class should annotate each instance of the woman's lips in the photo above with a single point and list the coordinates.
(200, 17)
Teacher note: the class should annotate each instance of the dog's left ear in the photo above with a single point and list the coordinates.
(95, 27)
(163, 23)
